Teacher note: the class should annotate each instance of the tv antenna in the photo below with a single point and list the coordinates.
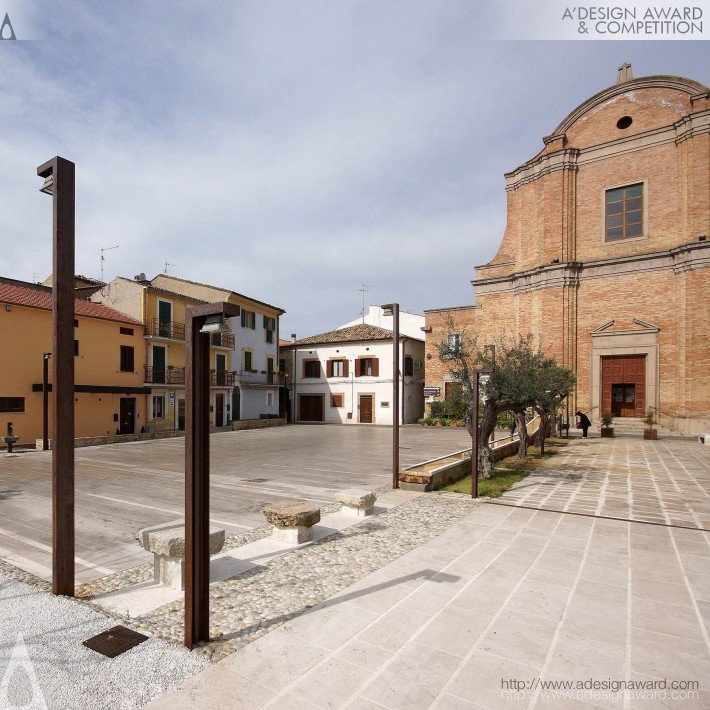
(167, 264)
(103, 259)
(364, 289)
(36, 276)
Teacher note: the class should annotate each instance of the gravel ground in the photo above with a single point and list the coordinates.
(247, 606)
(68, 674)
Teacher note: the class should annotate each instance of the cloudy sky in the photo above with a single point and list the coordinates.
(288, 150)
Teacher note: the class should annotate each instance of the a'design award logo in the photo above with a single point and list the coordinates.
(6, 29)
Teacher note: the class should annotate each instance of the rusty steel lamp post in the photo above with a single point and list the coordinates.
(474, 428)
(200, 323)
(392, 309)
(58, 174)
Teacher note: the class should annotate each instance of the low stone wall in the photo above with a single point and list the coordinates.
(412, 480)
(171, 434)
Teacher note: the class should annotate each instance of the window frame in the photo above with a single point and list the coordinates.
(126, 349)
(162, 407)
(645, 199)
(6, 409)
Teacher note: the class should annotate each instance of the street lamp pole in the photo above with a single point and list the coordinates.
(45, 401)
(392, 309)
(59, 183)
(200, 322)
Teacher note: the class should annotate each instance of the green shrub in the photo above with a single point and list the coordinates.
(449, 409)
(607, 419)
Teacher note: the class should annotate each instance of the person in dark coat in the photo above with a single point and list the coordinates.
(583, 423)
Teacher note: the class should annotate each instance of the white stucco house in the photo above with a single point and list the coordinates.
(345, 376)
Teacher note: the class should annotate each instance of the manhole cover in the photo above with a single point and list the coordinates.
(256, 480)
(115, 641)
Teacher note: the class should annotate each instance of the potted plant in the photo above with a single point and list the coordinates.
(607, 430)
(649, 420)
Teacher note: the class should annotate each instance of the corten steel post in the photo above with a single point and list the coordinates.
(62, 190)
(45, 401)
(394, 308)
(197, 469)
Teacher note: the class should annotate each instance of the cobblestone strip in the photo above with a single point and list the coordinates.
(251, 604)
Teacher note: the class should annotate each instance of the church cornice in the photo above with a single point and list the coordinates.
(687, 257)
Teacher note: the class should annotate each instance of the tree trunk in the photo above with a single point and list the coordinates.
(543, 430)
(522, 433)
(485, 454)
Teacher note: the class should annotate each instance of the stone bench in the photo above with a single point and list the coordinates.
(357, 502)
(167, 543)
(292, 520)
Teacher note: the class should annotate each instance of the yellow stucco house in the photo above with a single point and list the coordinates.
(109, 352)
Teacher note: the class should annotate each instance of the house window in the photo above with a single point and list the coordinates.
(247, 360)
(408, 366)
(452, 390)
(159, 407)
(624, 213)
(126, 331)
(127, 360)
(248, 319)
(269, 399)
(76, 348)
(336, 400)
(311, 368)
(282, 365)
(12, 404)
(367, 367)
(269, 327)
(337, 368)
(454, 342)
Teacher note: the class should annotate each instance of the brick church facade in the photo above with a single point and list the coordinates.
(606, 252)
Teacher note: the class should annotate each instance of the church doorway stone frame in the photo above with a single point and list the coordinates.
(632, 341)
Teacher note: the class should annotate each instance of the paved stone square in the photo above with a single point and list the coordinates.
(665, 482)
(122, 488)
(505, 595)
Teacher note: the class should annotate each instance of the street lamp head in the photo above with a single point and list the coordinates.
(215, 324)
(388, 309)
(48, 186)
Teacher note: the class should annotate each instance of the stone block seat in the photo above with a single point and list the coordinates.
(167, 543)
(357, 502)
(292, 520)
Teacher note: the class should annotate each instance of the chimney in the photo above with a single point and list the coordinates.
(293, 337)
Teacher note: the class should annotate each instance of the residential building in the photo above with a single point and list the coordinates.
(345, 376)
(605, 254)
(109, 351)
(244, 362)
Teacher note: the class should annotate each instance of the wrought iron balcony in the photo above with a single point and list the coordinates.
(222, 340)
(256, 377)
(164, 375)
(221, 378)
(166, 329)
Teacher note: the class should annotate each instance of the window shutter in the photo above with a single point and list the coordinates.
(358, 369)
(253, 320)
(345, 367)
(330, 368)
(304, 369)
(266, 322)
(375, 367)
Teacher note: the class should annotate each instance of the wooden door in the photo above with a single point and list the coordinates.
(181, 414)
(159, 364)
(219, 409)
(366, 409)
(311, 408)
(624, 385)
(236, 403)
(127, 416)
(165, 317)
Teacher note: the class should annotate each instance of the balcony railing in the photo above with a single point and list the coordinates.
(255, 377)
(166, 329)
(164, 375)
(221, 378)
(222, 340)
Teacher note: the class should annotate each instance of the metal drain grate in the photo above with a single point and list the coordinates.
(115, 641)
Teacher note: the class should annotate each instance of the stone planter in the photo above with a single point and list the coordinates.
(650, 434)
(607, 432)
